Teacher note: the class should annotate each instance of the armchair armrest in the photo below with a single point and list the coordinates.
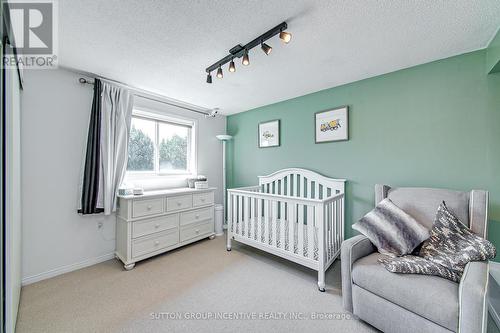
(352, 249)
(473, 310)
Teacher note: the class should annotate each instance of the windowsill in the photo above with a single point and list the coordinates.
(146, 175)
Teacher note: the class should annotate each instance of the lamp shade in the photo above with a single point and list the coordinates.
(224, 137)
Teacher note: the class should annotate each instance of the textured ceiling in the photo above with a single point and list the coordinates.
(164, 46)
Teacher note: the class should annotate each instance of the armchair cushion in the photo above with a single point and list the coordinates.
(431, 297)
(421, 203)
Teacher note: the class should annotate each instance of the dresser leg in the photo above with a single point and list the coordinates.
(211, 237)
(129, 266)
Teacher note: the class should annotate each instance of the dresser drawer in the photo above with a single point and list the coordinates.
(179, 202)
(196, 216)
(202, 199)
(150, 226)
(147, 207)
(195, 230)
(159, 241)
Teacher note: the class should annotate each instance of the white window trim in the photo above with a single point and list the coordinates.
(159, 116)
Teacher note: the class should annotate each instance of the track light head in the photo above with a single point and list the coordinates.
(209, 78)
(246, 59)
(266, 48)
(285, 36)
(219, 73)
(232, 68)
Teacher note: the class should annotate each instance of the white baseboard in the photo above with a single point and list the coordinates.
(66, 269)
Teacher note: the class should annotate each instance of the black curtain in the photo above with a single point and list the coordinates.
(90, 188)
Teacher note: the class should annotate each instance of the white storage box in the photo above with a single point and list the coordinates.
(201, 185)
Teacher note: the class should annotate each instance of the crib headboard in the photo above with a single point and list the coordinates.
(301, 183)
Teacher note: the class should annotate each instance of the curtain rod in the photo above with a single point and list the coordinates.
(145, 94)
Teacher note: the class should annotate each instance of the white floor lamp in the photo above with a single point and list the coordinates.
(224, 138)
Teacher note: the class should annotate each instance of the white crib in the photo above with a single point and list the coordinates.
(296, 214)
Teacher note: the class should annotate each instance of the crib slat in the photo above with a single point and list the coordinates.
(333, 228)
(246, 215)
(266, 221)
(289, 185)
(282, 226)
(240, 215)
(301, 189)
(316, 190)
(235, 214)
(259, 220)
(324, 190)
(297, 185)
(252, 217)
(300, 226)
(291, 225)
(331, 222)
(310, 232)
(327, 231)
(282, 215)
(274, 224)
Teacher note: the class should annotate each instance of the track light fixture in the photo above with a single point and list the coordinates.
(246, 59)
(285, 36)
(266, 48)
(219, 73)
(241, 51)
(232, 68)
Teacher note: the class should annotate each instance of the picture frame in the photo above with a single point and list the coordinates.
(331, 125)
(269, 134)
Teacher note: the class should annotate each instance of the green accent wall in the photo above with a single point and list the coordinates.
(433, 125)
(493, 55)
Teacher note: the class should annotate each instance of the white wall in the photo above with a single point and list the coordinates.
(55, 116)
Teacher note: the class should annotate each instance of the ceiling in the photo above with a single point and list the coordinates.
(165, 46)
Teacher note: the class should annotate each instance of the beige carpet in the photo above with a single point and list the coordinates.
(188, 283)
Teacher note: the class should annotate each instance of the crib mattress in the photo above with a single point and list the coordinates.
(278, 237)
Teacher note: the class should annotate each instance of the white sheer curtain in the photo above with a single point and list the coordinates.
(116, 115)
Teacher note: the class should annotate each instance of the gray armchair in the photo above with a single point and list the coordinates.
(395, 302)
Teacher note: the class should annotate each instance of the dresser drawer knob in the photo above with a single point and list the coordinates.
(179, 203)
(157, 226)
(197, 216)
(157, 243)
(197, 231)
(202, 199)
(149, 207)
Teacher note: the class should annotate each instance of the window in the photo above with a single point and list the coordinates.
(160, 145)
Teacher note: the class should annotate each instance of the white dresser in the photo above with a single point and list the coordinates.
(160, 221)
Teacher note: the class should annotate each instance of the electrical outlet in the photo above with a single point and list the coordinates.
(100, 224)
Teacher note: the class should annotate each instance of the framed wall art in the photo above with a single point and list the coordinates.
(331, 125)
(269, 134)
